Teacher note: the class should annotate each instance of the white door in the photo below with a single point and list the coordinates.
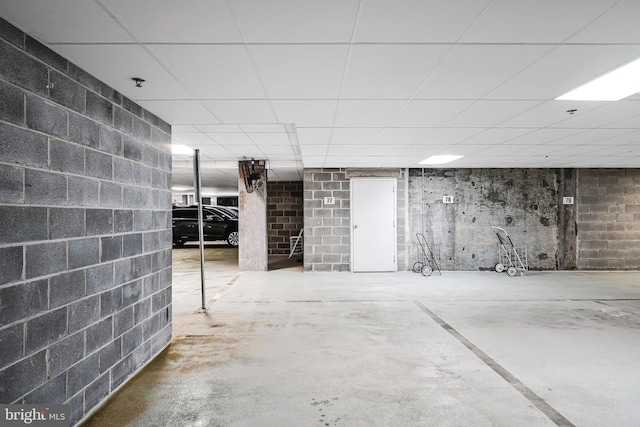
(373, 224)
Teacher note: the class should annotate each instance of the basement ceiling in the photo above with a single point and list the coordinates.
(359, 83)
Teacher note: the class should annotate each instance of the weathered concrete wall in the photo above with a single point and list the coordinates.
(285, 214)
(327, 243)
(522, 201)
(85, 231)
(608, 219)
(252, 224)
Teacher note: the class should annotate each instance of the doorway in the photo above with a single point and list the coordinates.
(373, 225)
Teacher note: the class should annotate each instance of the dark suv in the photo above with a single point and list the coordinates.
(215, 226)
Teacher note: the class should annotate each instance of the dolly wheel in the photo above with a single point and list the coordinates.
(417, 267)
(512, 271)
(426, 270)
(499, 267)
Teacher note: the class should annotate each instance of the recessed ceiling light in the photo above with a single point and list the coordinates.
(181, 149)
(613, 86)
(439, 160)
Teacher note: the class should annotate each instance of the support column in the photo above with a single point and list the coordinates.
(252, 203)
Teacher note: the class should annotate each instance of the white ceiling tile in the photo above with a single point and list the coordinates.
(296, 21)
(310, 113)
(246, 151)
(309, 136)
(543, 136)
(564, 68)
(230, 138)
(497, 135)
(450, 135)
(592, 136)
(274, 128)
(472, 71)
(211, 72)
(429, 113)
(490, 113)
(313, 150)
(416, 20)
(606, 115)
(241, 112)
(622, 17)
(402, 135)
(314, 161)
(355, 135)
(84, 21)
(301, 71)
(207, 21)
(630, 123)
(389, 71)
(370, 113)
(191, 139)
(463, 149)
(551, 113)
(540, 21)
(180, 112)
(219, 128)
(115, 65)
(269, 139)
(184, 129)
(276, 149)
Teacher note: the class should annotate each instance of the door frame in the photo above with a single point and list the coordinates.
(395, 219)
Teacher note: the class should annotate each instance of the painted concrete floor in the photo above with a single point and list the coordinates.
(286, 348)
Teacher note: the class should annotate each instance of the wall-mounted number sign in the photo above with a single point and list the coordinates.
(567, 200)
(447, 199)
(329, 200)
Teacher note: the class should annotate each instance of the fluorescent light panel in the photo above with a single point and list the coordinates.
(439, 160)
(613, 86)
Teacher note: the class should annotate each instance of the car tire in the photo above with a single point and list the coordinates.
(233, 239)
(178, 243)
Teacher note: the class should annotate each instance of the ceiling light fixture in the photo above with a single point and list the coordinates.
(439, 160)
(613, 86)
(181, 149)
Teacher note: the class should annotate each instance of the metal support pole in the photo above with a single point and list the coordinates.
(198, 190)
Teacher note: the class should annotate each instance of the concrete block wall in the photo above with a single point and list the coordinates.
(285, 214)
(85, 237)
(327, 228)
(608, 202)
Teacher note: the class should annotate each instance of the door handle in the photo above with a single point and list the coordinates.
(355, 226)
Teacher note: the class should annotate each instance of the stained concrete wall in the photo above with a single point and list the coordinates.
(608, 219)
(285, 214)
(85, 238)
(524, 202)
(252, 224)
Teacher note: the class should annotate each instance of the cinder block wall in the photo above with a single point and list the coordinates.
(285, 214)
(608, 219)
(85, 239)
(327, 243)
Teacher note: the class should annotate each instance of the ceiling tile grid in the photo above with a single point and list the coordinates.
(350, 83)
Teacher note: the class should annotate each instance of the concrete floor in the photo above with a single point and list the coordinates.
(286, 348)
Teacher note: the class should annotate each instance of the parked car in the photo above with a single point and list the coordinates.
(216, 226)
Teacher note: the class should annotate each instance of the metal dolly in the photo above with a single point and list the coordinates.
(512, 258)
(428, 257)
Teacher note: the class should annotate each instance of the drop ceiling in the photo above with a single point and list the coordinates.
(359, 83)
